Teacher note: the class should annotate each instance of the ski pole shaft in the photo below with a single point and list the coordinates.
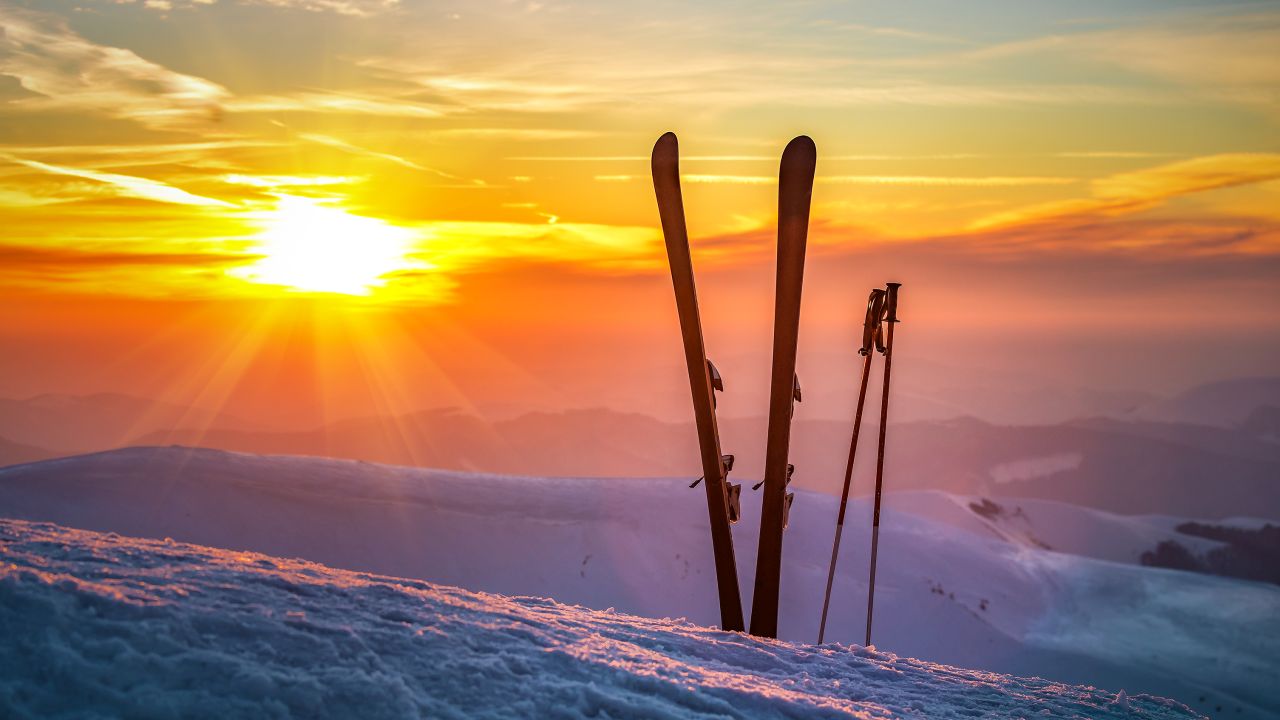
(891, 318)
(844, 496)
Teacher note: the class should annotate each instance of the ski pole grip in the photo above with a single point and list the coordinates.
(871, 325)
(891, 301)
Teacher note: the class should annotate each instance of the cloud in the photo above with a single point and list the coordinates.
(1109, 154)
(352, 8)
(132, 149)
(44, 258)
(1144, 189)
(17, 198)
(893, 32)
(916, 180)
(120, 269)
(946, 181)
(531, 134)
(126, 185)
(66, 71)
(291, 181)
(1230, 56)
(1098, 154)
(723, 82)
(334, 103)
(711, 179)
(357, 150)
(464, 246)
(584, 158)
(1153, 240)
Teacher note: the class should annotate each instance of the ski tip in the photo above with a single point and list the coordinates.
(801, 149)
(666, 147)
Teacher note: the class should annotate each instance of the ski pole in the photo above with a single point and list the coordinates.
(870, 331)
(891, 317)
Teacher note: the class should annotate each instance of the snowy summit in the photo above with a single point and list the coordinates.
(136, 628)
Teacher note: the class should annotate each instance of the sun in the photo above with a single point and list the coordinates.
(310, 245)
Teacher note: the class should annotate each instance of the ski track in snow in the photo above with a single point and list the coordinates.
(101, 626)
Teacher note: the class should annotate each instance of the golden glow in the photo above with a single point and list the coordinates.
(202, 173)
(308, 244)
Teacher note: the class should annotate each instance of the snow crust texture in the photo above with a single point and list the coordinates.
(101, 626)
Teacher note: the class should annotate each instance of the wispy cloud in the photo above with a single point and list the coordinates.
(345, 146)
(946, 181)
(712, 179)
(892, 32)
(1110, 154)
(65, 258)
(126, 185)
(353, 8)
(465, 245)
(530, 134)
(582, 158)
(1185, 241)
(1144, 189)
(66, 71)
(121, 269)
(917, 180)
(292, 181)
(1227, 55)
(738, 158)
(334, 103)
(151, 151)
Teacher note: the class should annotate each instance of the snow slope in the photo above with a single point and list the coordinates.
(115, 627)
(1054, 525)
(953, 587)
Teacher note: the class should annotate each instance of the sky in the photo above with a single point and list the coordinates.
(300, 210)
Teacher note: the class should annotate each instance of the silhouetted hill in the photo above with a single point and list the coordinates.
(76, 423)
(573, 443)
(12, 453)
(1227, 403)
(1127, 467)
(1264, 423)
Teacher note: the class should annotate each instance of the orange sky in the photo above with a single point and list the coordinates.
(1079, 195)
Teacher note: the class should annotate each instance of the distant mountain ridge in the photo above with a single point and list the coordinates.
(12, 453)
(1127, 465)
(1225, 403)
(74, 423)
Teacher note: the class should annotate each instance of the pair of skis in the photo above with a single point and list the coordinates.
(795, 190)
(877, 335)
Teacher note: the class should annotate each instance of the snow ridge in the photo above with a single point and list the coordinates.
(105, 626)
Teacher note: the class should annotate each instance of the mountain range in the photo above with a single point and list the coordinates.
(1152, 461)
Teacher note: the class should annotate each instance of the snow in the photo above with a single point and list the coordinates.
(1055, 525)
(1036, 467)
(103, 626)
(953, 586)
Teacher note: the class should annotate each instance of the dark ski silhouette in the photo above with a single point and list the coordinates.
(704, 380)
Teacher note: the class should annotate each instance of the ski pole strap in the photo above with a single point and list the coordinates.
(871, 325)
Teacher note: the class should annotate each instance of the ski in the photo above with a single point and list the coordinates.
(704, 380)
(795, 190)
